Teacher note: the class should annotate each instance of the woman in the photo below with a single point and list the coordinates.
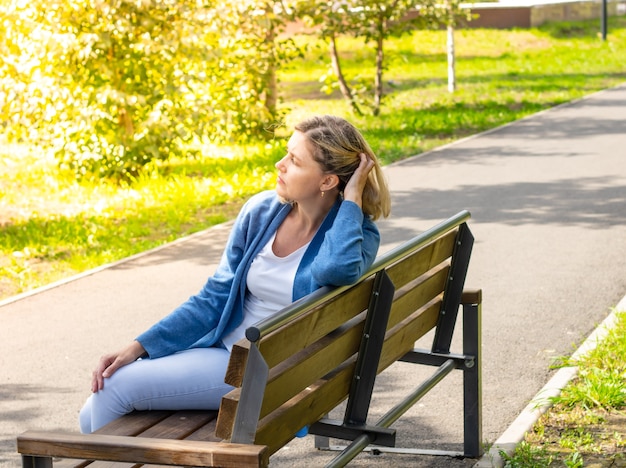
(315, 229)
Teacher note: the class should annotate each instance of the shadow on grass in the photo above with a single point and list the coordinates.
(513, 81)
(407, 132)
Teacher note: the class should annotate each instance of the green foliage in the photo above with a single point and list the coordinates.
(575, 460)
(527, 456)
(597, 388)
(368, 20)
(601, 381)
(112, 85)
(373, 21)
(507, 75)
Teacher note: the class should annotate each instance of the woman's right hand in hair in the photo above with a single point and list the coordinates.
(354, 188)
(109, 363)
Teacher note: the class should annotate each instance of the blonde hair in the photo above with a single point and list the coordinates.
(337, 145)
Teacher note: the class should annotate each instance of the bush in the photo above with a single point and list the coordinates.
(110, 86)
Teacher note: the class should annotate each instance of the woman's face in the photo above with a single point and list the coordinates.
(300, 177)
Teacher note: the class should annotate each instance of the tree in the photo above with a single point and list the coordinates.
(450, 16)
(329, 20)
(373, 20)
(451, 55)
(111, 85)
(259, 24)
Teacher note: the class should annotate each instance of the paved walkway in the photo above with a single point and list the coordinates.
(548, 201)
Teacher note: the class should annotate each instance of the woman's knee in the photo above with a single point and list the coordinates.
(189, 380)
(84, 417)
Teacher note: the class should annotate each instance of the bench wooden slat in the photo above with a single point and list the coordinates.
(402, 337)
(205, 433)
(190, 425)
(311, 364)
(298, 372)
(179, 424)
(407, 301)
(418, 263)
(321, 397)
(294, 375)
(69, 463)
(110, 464)
(309, 406)
(143, 450)
(305, 331)
(277, 429)
(133, 423)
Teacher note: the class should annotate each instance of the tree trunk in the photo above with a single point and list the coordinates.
(271, 90)
(343, 86)
(451, 60)
(378, 83)
(271, 93)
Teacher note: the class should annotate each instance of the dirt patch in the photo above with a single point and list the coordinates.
(595, 438)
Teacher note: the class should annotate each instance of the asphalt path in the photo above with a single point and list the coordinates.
(548, 201)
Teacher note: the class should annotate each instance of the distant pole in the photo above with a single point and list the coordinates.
(604, 19)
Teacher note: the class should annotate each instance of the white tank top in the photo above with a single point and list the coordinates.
(269, 288)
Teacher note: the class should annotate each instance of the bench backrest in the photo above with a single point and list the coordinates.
(303, 362)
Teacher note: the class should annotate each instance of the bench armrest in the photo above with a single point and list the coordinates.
(141, 450)
(472, 296)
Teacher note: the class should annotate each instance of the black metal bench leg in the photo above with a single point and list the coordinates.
(30, 461)
(472, 391)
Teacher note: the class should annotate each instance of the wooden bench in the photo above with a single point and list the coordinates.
(300, 364)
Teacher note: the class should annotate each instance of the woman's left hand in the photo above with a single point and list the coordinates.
(354, 188)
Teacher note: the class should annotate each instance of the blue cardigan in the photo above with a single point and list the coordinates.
(342, 250)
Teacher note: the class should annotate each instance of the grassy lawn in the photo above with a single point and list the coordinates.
(586, 426)
(52, 226)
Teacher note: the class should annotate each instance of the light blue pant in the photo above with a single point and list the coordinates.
(191, 379)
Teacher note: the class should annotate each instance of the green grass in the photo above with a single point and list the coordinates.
(586, 424)
(502, 76)
(52, 226)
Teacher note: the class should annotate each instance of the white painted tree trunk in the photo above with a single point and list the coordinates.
(451, 60)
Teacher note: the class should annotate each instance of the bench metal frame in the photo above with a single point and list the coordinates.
(354, 427)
